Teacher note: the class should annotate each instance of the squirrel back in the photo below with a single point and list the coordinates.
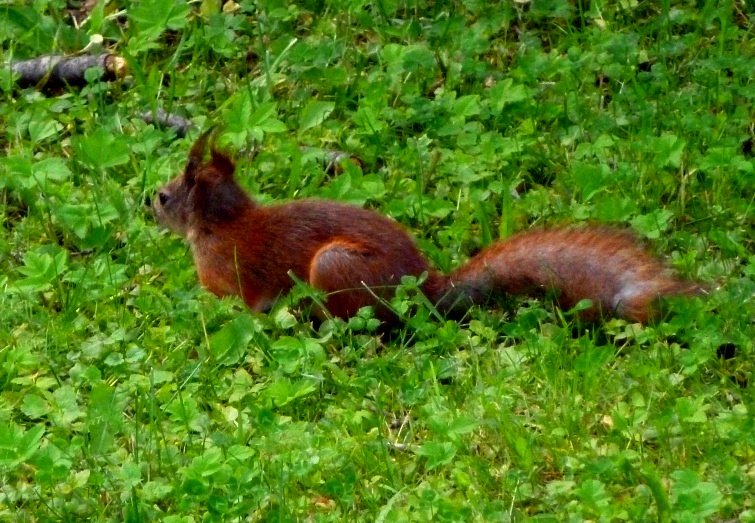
(358, 256)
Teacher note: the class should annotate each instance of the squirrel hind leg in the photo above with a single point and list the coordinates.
(346, 271)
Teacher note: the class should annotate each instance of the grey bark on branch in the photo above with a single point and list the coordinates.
(51, 71)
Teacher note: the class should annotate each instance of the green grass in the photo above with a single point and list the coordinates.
(129, 394)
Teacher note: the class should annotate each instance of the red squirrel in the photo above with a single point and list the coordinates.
(357, 257)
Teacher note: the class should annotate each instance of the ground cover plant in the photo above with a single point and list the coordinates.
(129, 394)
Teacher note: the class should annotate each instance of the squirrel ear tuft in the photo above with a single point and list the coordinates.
(221, 162)
(196, 154)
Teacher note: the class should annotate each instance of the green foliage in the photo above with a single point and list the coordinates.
(130, 394)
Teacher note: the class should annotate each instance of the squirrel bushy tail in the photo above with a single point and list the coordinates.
(604, 265)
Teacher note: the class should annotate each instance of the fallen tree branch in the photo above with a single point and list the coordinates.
(333, 160)
(52, 71)
(162, 118)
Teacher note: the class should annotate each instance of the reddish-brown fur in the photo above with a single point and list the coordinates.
(356, 255)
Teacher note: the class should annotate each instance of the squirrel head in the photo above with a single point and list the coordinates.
(204, 195)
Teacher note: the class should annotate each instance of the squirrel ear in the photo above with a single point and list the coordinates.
(222, 163)
(196, 155)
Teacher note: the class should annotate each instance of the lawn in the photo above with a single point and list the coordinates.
(128, 393)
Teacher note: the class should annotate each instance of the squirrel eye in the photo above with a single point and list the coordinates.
(162, 197)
